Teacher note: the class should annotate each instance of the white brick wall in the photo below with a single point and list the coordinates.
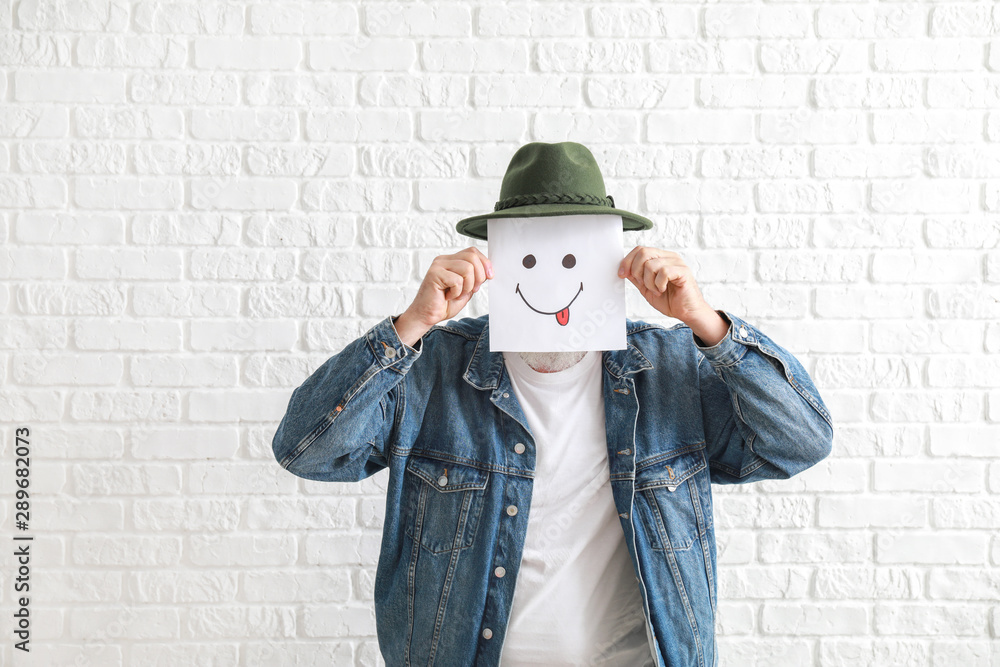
(201, 201)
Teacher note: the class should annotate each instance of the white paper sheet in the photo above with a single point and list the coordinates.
(556, 286)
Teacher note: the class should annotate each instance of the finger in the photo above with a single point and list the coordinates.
(477, 260)
(483, 260)
(469, 277)
(668, 270)
(446, 275)
(624, 268)
(656, 274)
(451, 284)
(465, 273)
(662, 278)
(677, 274)
(638, 285)
(475, 257)
(640, 254)
(479, 268)
(639, 261)
(651, 271)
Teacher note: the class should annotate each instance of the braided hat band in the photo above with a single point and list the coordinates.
(552, 198)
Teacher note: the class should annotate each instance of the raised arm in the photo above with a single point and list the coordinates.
(763, 416)
(339, 423)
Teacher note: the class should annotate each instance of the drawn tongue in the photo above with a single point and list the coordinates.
(562, 317)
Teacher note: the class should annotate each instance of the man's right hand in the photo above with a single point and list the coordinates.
(449, 284)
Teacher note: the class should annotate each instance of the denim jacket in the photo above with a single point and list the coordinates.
(442, 416)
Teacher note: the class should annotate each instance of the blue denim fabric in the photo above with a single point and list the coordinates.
(444, 419)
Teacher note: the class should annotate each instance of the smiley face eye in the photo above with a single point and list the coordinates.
(569, 261)
(528, 261)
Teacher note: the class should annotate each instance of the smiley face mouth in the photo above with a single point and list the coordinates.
(562, 316)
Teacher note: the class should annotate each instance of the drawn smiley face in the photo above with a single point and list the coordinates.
(548, 268)
(562, 314)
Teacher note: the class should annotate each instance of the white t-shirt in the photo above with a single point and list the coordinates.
(577, 600)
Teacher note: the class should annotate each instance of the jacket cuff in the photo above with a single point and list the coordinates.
(389, 351)
(733, 345)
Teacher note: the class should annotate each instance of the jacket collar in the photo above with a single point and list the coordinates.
(485, 367)
(628, 361)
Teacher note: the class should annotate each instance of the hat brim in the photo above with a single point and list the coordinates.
(476, 225)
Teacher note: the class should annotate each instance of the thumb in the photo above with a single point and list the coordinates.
(457, 304)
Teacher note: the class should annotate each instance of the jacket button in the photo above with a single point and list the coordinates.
(390, 353)
(519, 448)
(511, 510)
(442, 481)
(487, 633)
(506, 395)
(500, 571)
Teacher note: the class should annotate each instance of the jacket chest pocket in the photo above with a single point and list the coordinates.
(668, 501)
(443, 503)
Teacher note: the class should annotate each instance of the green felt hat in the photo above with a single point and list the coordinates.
(551, 179)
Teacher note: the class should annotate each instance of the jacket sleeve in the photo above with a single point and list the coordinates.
(763, 416)
(340, 421)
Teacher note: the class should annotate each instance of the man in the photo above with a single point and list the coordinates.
(582, 477)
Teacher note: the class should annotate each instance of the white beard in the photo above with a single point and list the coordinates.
(551, 362)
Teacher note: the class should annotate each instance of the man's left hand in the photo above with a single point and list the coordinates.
(668, 284)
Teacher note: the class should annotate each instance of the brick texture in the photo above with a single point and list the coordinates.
(200, 202)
